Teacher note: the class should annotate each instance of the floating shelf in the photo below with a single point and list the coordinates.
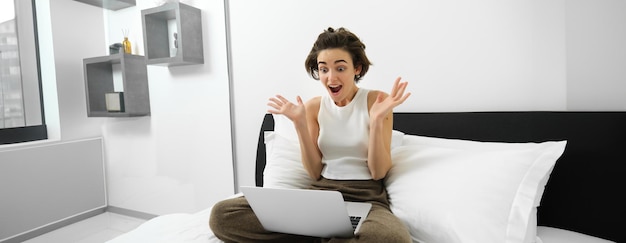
(99, 81)
(160, 24)
(110, 4)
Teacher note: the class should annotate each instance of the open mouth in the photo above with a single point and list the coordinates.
(335, 89)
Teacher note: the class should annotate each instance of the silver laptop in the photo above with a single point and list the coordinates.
(306, 212)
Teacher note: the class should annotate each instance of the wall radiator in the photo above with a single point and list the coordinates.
(49, 186)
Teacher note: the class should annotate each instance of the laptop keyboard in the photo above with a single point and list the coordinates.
(355, 221)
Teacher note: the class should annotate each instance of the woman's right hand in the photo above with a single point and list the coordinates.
(295, 112)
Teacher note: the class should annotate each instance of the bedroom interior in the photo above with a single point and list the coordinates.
(199, 143)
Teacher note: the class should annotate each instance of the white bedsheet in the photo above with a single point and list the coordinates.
(194, 228)
(181, 227)
(554, 235)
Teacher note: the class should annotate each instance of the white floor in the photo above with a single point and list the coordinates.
(97, 229)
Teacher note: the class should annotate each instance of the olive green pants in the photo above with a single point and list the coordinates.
(233, 220)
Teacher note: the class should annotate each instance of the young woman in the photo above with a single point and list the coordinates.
(345, 139)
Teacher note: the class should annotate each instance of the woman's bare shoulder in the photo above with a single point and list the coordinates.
(313, 104)
(315, 101)
(371, 97)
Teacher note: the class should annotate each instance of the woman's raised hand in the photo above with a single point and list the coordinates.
(384, 105)
(286, 108)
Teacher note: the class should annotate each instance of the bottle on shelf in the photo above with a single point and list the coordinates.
(126, 42)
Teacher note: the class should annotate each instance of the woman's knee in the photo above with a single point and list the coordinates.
(383, 225)
(385, 234)
(221, 214)
(217, 216)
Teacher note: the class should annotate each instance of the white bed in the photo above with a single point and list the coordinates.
(459, 189)
(193, 228)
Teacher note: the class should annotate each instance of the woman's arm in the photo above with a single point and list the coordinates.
(311, 154)
(304, 118)
(381, 124)
(379, 144)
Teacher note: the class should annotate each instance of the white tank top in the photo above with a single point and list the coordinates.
(344, 137)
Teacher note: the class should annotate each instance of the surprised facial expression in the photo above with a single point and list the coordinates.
(336, 72)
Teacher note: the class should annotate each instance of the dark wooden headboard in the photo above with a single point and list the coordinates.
(586, 191)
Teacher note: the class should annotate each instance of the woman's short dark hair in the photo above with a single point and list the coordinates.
(343, 39)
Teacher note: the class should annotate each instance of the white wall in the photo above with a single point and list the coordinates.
(483, 55)
(178, 159)
(596, 55)
(40, 185)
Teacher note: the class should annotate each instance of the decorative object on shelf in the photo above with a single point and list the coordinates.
(159, 25)
(103, 95)
(115, 101)
(126, 42)
(174, 50)
(175, 40)
(115, 48)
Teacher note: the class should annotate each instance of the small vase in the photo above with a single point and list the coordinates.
(126, 44)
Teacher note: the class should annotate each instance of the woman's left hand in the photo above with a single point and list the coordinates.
(384, 105)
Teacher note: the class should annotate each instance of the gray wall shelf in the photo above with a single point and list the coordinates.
(110, 4)
(99, 80)
(158, 35)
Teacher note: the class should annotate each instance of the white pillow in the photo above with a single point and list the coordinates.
(448, 190)
(531, 231)
(284, 127)
(283, 167)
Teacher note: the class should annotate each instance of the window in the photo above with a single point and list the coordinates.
(21, 108)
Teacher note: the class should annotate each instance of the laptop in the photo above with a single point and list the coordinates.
(315, 213)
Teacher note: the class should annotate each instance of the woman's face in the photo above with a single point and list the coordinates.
(336, 72)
